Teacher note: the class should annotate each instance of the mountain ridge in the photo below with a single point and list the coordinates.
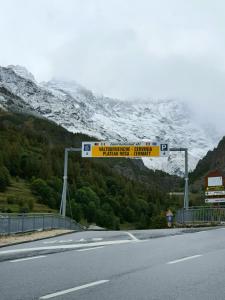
(79, 110)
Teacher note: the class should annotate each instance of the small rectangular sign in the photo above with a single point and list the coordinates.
(215, 188)
(215, 181)
(215, 193)
(140, 149)
(214, 200)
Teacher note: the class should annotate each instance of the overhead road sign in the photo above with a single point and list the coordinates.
(132, 150)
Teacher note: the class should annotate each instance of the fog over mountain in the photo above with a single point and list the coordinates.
(130, 49)
(78, 109)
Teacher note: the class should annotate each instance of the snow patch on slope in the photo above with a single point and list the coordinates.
(79, 110)
(22, 71)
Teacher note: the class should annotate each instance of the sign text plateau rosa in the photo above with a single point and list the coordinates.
(121, 151)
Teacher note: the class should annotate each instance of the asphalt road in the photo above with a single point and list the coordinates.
(116, 265)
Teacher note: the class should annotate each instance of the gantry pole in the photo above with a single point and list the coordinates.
(186, 188)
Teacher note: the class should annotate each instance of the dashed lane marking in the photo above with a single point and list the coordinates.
(183, 259)
(81, 287)
(27, 258)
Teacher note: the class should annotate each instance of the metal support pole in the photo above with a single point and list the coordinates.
(64, 192)
(186, 188)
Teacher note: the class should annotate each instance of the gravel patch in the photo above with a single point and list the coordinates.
(27, 237)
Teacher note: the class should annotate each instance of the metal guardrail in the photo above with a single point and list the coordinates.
(199, 215)
(12, 223)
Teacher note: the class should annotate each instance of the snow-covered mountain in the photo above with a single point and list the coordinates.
(79, 110)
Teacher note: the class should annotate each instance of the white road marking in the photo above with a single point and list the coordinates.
(132, 236)
(73, 246)
(201, 231)
(87, 249)
(183, 259)
(57, 241)
(85, 286)
(50, 242)
(97, 239)
(27, 258)
(65, 241)
(82, 240)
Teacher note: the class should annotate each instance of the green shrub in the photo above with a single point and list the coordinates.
(12, 200)
(4, 178)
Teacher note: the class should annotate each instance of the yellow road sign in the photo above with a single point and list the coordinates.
(143, 149)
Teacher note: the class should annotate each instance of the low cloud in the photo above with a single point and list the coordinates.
(124, 49)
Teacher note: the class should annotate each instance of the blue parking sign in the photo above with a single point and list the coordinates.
(87, 147)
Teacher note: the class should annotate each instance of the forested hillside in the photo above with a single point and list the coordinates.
(111, 192)
(214, 159)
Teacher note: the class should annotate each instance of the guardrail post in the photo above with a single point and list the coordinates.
(23, 223)
(9, 225)
(43, 223)
(33, 223)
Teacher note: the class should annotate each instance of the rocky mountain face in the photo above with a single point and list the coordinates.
(79, 110)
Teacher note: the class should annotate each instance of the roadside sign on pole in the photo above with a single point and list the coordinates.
(215, 193)
(215, 187)
(215, 200)
(132, 150)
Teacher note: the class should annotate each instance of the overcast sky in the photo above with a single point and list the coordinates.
(123, 48)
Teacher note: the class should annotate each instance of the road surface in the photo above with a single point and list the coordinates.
(116, 265)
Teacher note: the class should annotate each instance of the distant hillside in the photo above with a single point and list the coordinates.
(214, 160)
(109, 192)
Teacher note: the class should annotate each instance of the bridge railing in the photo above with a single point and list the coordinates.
(12, 223)
(199, 215)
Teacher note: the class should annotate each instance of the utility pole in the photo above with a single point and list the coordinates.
(64, 192)
(186, 188)
(186, 191)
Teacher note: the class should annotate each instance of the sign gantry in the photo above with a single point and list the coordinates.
(129, 150)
